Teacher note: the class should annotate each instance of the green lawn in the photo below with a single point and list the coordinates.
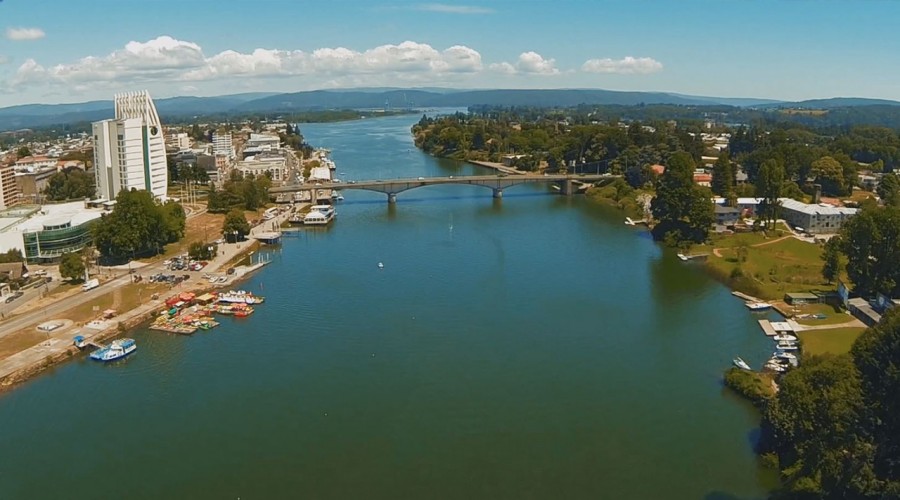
(770, 270)
(836, 341)
(832, 316)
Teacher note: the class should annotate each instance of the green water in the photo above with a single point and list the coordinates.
(530, 347)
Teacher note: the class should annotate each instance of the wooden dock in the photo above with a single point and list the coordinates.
(744, 296)
(766, 326)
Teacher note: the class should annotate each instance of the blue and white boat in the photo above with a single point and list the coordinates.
(116, 350)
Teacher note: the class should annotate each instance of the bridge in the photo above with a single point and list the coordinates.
(497, 183)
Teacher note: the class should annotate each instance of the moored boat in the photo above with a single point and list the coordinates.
(118, 349)
(784, 337)
(240, 297)
(758, 306)
(682, 256)
(740, 363)
(319, 215)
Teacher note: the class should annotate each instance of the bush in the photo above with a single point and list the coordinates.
(755, 386)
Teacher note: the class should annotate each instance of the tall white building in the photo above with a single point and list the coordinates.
(130, 150)
(222, 145)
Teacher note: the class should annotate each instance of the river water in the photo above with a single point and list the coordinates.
(529, 347)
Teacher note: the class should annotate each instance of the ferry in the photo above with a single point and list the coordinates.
(240, 297)
(319, 215)
(116, 350)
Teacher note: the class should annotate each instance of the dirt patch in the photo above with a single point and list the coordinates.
(19, 341)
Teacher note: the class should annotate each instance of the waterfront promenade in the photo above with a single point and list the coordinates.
(58, 345)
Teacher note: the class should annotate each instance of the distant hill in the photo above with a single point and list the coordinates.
(833, 103)
(38, 115)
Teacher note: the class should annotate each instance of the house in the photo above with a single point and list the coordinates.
(727, 216)
(818, 218)
(702, 179)
(12, 271)
(658, 169)
(798, 298)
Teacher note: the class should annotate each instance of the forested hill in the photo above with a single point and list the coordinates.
(824, 112)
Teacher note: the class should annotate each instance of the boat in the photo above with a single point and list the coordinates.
(319, 215)
(740, 363)
(628, 221)
(240, 297)
(784, 337)
(775, 367)
(785, 355)
(758, 306)
(116, 350)
(380, 265)
(682, 256)
(787, 346)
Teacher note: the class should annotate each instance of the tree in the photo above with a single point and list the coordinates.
(71, 266)
(889, 189)
(23, 152)
(871, 242)
(769, 181)
(722, 183)
(137, 225)
(202, 250)
(12, 255)
(683, 209)
(235, 225)
(70, 184)
(831, 258)
(830, 174)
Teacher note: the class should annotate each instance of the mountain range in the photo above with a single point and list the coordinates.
(170, 109)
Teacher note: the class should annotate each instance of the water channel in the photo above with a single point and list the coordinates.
(529, 347)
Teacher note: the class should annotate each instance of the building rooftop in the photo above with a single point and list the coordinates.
(820, 209)
(73, 213)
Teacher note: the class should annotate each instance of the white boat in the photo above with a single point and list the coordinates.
(628, 221)
(116, 350)
(786, 346)
(758, 306)
(240, 297)
(682, 256)
(775, 367)
(319, 215)
(740, 363)
(784, 337)
(785, 355)
(380, 265)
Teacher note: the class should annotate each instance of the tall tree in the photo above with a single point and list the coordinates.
(723, 176)
(769, 182)
(137, 224)
(235, 224)
(831, 257)
(683, 210)
(71, 266)
(889, 189)
(830, 174)
(871, 242)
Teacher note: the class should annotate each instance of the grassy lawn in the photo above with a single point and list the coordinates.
(836, 341)
(832, 315)
(771, 269)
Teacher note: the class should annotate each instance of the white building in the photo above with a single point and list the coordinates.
(263, 142)
(817, 218)
(178, 141)
(222, 145)
(130, 150)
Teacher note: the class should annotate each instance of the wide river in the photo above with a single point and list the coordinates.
(529, 347)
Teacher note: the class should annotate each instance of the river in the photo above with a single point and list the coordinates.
(529, 347)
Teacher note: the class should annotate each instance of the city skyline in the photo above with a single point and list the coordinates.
(774, 50)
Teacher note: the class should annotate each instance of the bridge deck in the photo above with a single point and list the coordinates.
(391, 186)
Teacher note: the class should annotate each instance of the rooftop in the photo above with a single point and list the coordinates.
(74, 213)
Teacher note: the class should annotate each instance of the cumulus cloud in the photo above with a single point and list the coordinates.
(529, 63)
(166, 58)
(626, 65)
(453, 9)
(19, 34)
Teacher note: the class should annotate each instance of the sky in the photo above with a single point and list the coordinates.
(54, 51)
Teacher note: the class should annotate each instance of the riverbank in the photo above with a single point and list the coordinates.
(58, 346)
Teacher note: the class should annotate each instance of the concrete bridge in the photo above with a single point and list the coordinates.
(497, 183)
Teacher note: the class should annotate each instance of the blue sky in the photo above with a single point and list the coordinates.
(70, 51)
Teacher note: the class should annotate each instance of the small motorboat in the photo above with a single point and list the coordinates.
(628, 221)
(380, 265)
(740, 363)
(775, 367)
(682, 256)
(758, 306)
(785, 355)
(784, 337)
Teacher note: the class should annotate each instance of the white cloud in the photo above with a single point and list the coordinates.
(503, 67)
(529, 63)
(165, 58)
(453, 9)
(627, 65)
(19, 34)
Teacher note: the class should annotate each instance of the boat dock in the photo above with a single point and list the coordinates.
(744, 296)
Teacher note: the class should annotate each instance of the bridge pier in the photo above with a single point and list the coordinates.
(498, 193)
(567, 188)
(392, 198)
